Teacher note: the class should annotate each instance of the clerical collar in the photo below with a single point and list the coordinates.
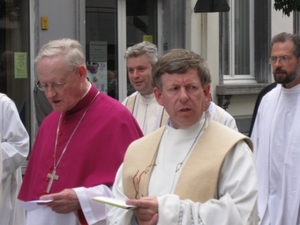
(148, 96)
(87, 91)
(201, 118)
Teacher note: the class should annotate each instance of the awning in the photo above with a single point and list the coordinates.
(211, 6)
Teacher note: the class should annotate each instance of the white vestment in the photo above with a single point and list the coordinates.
(276, 140)
(93, 211)
(14, 149)
(223, 116)
(235, 203)
(147, 112)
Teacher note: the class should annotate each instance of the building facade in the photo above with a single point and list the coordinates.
(235, 43)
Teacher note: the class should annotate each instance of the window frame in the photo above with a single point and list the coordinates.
(260, 21)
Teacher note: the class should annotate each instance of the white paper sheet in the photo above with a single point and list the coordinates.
(113, 202)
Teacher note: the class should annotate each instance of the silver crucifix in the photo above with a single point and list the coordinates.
(52, 177)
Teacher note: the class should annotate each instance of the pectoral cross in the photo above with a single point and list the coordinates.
(52, 177)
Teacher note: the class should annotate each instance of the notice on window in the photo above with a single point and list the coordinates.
(20, 65)
(97, 74)
(148, 38)
(98, 51)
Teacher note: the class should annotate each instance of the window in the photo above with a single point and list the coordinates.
(237, 33)
(14, 53)
(244, 42)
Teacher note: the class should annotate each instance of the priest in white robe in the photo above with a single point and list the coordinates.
(193, 170)
(276, 137)
(14, 150)
(142, 103)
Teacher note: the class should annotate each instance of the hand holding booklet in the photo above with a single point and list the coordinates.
(114, 202)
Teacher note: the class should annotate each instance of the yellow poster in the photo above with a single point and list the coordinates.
(20, 63)
(148, 38)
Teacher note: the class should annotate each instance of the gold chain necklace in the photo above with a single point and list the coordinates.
(53, 176)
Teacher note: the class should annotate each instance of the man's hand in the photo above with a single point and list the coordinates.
(65, 201)
(146, 211)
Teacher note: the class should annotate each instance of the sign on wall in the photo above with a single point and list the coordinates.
(97, 67)
(20, 65)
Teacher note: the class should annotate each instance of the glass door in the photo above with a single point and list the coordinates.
(14, 58)
(101, 45)
(111, 27)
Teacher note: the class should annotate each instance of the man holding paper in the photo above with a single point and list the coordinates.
(79, 145)
(193, 170)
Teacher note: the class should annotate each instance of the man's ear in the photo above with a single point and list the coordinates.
(207, 93)
(158, 96)
(82, 72)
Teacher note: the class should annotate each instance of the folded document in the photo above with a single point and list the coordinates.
(113, 202)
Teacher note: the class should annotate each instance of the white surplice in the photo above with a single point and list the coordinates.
(147, 112)
(235, 203)
(276, 139)
(14, 149)
(225, 119)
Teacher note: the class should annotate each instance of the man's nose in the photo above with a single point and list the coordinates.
(183, 94)
(278, 63)
(136, 73)
(50, 92)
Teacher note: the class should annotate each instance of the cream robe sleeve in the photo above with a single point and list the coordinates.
(14, 137)
(234, 205)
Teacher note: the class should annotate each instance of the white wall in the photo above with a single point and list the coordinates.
(61, 16)
(281, 22)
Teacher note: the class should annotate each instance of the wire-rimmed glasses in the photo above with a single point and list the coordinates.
(55, 86)
(282, 59)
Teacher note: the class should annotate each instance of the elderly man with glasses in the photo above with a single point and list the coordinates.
(79, 146)
(276, 136)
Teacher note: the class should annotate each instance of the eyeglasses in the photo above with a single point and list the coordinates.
(282, 59)
(55, 86)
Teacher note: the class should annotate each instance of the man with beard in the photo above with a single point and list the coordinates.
(276, 136)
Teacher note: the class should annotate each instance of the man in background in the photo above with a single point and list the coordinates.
(142, 103)
(276, 136)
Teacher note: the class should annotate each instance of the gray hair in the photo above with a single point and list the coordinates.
(71, 49)
(284, 37)
(179, 61)
(143, 48)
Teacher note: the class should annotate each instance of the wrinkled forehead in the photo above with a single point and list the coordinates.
(190, 76)
(52, 68)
